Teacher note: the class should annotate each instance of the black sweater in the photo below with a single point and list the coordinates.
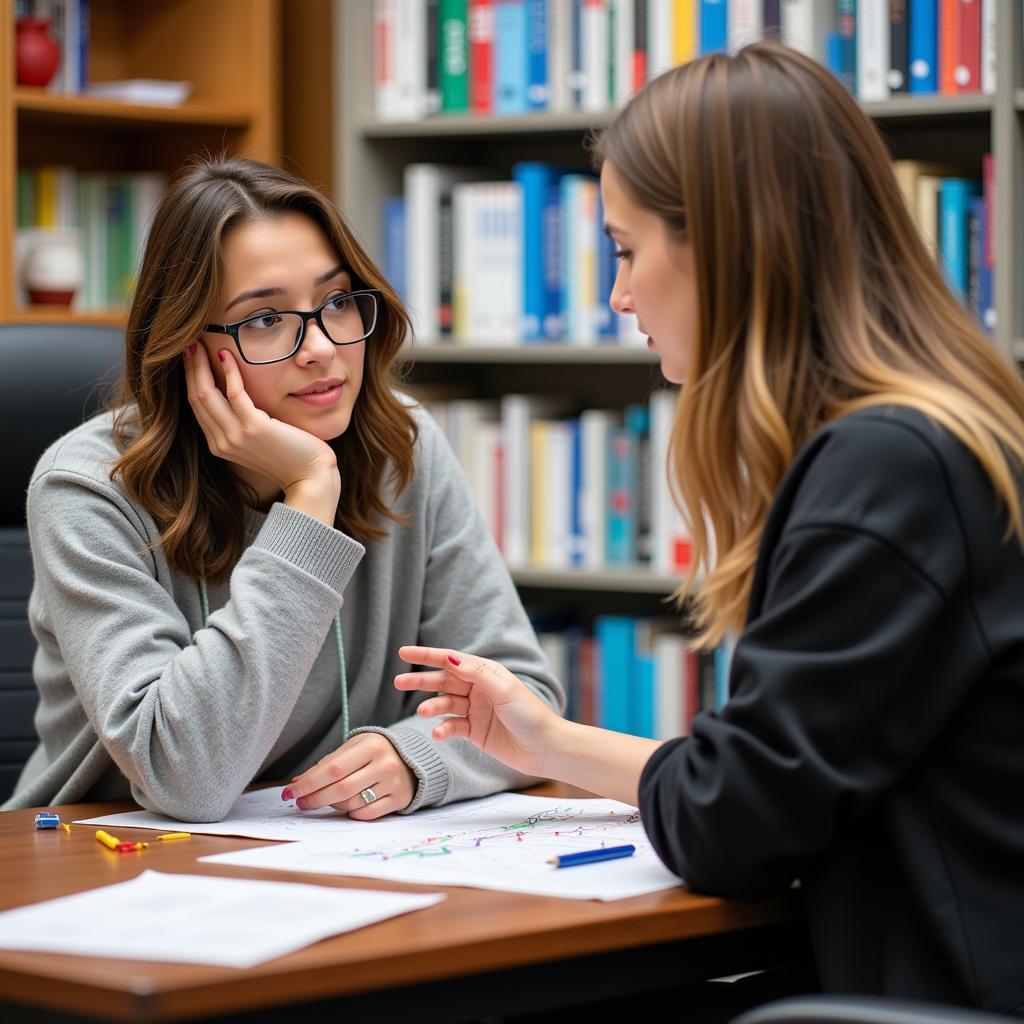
(873, 743)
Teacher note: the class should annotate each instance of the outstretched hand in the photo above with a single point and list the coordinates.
(488, 706)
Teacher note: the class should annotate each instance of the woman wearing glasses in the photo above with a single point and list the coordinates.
(227, 563)
(855, 449)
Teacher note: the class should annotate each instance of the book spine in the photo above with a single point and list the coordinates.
(922, 46)
(614, 635)
(619, 545)
(481, 55)
(948, 17)
(684, 30)
(954, 202)
(510, 47)
(432, 95)
(639, 45)
(899, 73)
(968, 46)
(745, 21)
(659, 37)
(594, 44)
(975, 255)
(872, 50)
(453, 56)
(445, 266)
(714, 26)
(537, 55)
(383, 64)
(988, 47)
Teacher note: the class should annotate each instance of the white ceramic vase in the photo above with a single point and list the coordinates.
(54, 268)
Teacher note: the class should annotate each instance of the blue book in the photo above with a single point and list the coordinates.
(620, 522)
(554, 282)
(614, 636)
(510, 57)
(922, 47)
(537, 54)
(975, 255)
(722, 657)
(714, 33)
(537, 181)
(607, 267)
(575, 54)
(393, 233)
(643, 699)
(840, 59)
(955, 195)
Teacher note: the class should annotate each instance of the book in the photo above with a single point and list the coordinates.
(148, 91)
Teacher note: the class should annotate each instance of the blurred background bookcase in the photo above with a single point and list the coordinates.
(229, 50)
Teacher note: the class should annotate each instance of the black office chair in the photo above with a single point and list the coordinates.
(863, 1010)
(52, 378)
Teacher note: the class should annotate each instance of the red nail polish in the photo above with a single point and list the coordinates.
(287, 794)
(454, 660)
(192, 348)
(220, 355)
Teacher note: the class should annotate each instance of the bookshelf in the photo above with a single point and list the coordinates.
(368, 165)
(229, 51)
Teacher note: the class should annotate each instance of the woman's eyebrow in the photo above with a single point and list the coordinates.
(262, 293)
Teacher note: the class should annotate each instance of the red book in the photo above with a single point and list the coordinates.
(481, 55)
(968, 46)
(948, 31)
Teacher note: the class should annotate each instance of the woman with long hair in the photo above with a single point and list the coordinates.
(852, 446)
(227, 562)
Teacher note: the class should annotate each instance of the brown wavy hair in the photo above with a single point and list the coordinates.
(816, 297)
(198, 503)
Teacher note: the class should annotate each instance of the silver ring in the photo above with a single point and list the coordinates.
(368, 795)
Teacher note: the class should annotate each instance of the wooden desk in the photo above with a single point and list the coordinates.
(481, 951)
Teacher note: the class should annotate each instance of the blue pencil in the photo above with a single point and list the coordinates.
(569, 860)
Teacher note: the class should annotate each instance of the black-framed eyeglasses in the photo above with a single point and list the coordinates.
(346, 318)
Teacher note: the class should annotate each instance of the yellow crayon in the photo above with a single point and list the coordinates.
(67, 828)
(107, 839)
(176, 835)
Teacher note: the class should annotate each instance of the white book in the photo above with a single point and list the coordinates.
(595, 426)
(517, 413)
(805, 24)
(594, 47)
(659, 37)
(558, 495)
(424, 185)
(410, 43)
(385, 84)
(669, 685)
(624, 26)
(559, 55)
(745, 23)
(579, 253)
(988, 47)
(872, 50)
(669, 536)
(486, 482)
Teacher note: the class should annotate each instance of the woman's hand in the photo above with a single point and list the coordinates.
(301, 465)
(366, 761)
(491, 707)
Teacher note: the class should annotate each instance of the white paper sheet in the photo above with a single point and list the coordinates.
(232, 922)
(501, 842)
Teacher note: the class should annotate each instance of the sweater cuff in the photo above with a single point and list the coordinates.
(323, 552)
(419, 752)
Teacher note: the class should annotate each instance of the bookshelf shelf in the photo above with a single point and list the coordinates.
(634, 581)
(530, 355)
(39, 105)
(467, 126)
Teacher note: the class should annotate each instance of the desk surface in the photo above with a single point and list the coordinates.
(472, 931)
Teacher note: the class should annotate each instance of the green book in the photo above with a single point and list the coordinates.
(26, 198)
(453, 55)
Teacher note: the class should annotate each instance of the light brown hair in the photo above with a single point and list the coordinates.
(198, 503)
(816, 297)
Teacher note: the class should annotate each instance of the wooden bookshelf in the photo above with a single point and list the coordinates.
(228, 50)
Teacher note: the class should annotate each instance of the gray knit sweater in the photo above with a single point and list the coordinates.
(138, 699)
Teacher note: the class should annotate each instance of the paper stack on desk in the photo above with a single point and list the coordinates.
(232, 922)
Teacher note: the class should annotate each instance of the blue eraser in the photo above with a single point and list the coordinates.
(47, 819)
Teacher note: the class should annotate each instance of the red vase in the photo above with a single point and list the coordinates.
(36, 54)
